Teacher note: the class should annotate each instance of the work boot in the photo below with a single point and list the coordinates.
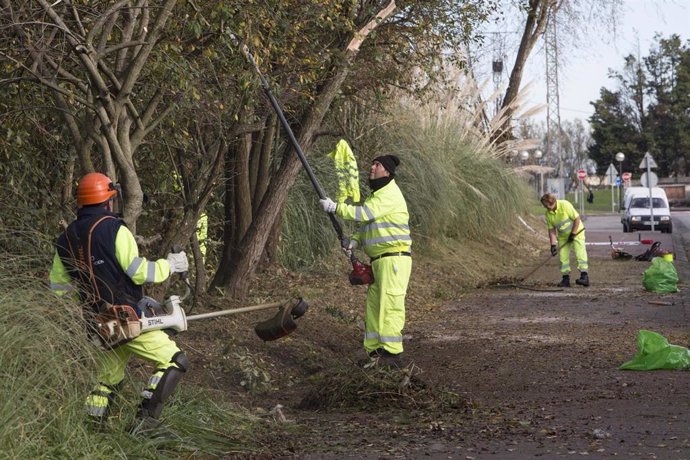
(565, 282)
(383, 358)
(583, 280)
(380, 352)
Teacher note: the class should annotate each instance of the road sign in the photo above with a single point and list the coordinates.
(653, 180)
(618, 181)
(581, 174)
(648, 161)
(627, 176)
(612, 172)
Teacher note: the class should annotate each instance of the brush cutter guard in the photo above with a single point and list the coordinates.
(283, 322)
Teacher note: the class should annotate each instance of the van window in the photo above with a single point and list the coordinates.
(644, 203)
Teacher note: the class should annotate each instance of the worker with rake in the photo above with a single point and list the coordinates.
(98, 254)
(566, 232)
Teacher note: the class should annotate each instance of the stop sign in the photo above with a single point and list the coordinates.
(627, 176)
(581, 174)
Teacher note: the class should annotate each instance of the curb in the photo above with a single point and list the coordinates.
(682, 267)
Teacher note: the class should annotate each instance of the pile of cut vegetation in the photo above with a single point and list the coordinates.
(378, 387)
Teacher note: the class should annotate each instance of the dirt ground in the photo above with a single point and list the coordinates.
(508, 370)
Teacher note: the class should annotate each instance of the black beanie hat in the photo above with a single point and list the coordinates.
(389, 162)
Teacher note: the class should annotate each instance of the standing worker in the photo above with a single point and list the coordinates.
(98, 254)
(566, 231)
(385, 238)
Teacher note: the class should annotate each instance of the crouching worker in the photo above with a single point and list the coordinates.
(97, 255)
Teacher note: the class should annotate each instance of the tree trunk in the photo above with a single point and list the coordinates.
(537, 16)
(263, 172)
(241, 267)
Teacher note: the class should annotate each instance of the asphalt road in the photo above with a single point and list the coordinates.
(601, 227)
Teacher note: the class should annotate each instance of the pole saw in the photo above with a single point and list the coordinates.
(361, 273)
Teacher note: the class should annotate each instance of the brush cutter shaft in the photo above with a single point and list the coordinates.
(175, 318)
(234, 311)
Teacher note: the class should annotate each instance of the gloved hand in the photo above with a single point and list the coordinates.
(349, 245)
(554, 250)
(571, 237)
(178, 262)
(327, 204)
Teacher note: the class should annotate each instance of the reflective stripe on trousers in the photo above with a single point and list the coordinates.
(98, 401)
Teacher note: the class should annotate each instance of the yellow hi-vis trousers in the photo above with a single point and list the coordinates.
(385, 313)
(580, 250)
(154, 346)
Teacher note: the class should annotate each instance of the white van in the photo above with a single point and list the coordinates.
(637, 212)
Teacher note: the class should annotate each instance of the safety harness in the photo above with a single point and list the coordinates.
(112, 324)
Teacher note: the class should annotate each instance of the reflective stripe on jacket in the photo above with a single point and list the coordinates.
(385, 221)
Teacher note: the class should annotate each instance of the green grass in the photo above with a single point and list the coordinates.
(47, 369)
(601, 204)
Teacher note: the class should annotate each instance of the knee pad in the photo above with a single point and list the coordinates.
(181, 360)
(153, 406)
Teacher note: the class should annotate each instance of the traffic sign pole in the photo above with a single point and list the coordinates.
(611, 172)
(581, 176)
(651, 200)
(649, 163)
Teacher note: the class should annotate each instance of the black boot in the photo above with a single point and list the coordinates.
(565, 282)
(583, 280)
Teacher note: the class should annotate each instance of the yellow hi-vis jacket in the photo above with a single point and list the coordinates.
(346, 171)
(386, 221)
(562, 219)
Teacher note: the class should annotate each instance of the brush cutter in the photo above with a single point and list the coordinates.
(361, 272)
(120, 322)
(274, 328)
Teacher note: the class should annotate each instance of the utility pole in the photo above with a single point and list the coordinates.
(497, 67)
(553, 111)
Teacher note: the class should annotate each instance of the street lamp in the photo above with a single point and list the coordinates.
(620, 156)
(537, 156)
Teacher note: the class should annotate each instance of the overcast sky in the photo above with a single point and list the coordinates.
(587, 68)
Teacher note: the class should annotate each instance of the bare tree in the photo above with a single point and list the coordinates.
(574, 18)
(90, 59)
